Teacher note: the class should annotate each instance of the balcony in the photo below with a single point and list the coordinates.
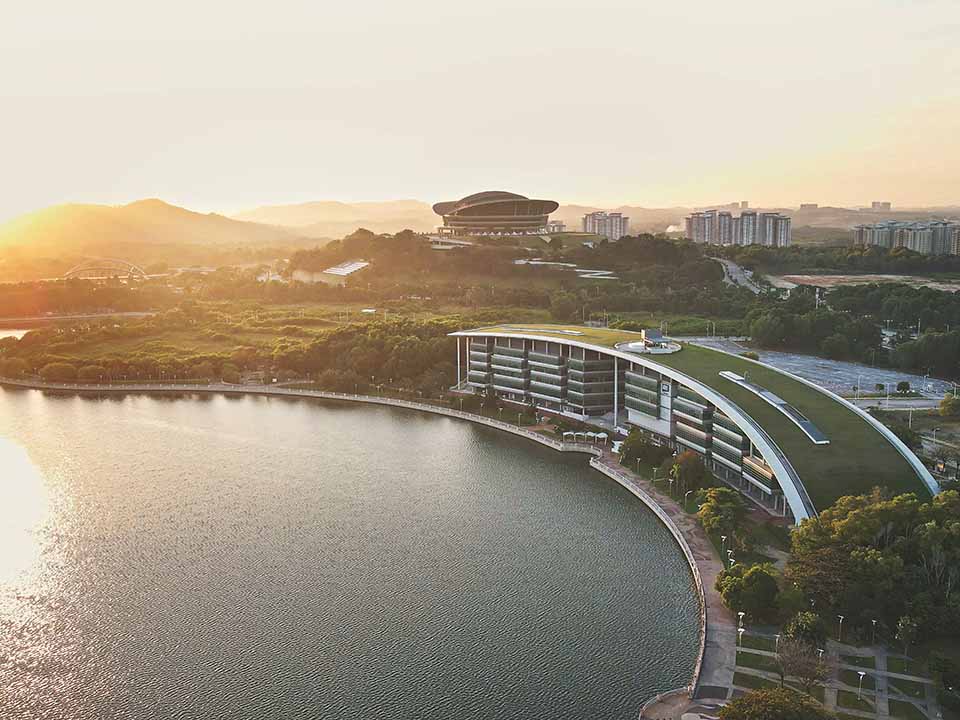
(551, 391)
(544, 359)
(642, 406)
(649, 382)
(589, 365)
(508, 361)
(642, 392)
(512, 352)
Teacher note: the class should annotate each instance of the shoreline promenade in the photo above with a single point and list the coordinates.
(713, 673)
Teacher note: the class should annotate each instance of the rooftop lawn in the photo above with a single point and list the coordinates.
(858, 456)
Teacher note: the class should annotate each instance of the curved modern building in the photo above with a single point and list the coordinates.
(788, 444)
(494, 213)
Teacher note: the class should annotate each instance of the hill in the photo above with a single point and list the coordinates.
(95, 228)
(330, 218)
(46, 242)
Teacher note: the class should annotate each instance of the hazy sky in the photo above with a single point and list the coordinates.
(226, 105)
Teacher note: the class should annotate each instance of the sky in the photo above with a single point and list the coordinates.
(223, 106)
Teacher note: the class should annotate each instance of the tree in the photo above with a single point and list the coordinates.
(807, 627)
(91, 373)
(721, 511)
(753, 590)
(950, 406)
(774, 704)
(903, 387)
(13, 367)
(799, 659)
(563, 306)
(58, 372)
(879, 387)
(907, 632)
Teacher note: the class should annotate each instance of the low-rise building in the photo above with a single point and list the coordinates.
(791, 446)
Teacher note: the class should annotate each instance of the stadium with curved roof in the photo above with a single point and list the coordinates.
(494, 212)
(790, 445)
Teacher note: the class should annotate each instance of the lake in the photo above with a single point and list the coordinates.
(257, 557)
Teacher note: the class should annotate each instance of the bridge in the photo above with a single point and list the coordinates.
(104, 268)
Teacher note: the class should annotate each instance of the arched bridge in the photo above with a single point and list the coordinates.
(104, 267)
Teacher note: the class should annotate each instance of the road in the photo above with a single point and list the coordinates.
(733, 274)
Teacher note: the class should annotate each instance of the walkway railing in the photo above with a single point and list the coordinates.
(598, 461)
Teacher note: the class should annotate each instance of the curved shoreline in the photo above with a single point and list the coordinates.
(713, 635)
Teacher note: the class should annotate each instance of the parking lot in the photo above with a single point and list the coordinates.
(836, 375)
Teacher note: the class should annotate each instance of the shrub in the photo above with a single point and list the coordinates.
(807, 626)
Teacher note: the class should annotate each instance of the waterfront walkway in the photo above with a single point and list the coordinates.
(716, 659)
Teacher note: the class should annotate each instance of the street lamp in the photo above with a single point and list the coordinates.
(935, 430)
(655, 468)
(861, 673)
(740, 615)
(740, 637)
(671, 487)
(858, 386)
(874, 631)
(723, 543)
(638, 466)
(777, 638)
(685, 495)
(840, 631)
(820, 653)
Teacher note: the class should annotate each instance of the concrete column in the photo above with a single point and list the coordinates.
(458, 362)
(616, 386)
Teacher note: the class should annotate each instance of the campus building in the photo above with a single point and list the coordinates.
(612, 226)
(494, 213)
(749, 228)
(937, 237)
(789, 445)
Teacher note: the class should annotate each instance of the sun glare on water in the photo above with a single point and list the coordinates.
(24, 505)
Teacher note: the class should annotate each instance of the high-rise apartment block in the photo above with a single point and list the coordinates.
(749, 228)
(880, 205)
(612, 226)
(938, 237)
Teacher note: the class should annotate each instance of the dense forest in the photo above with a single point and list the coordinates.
(823, 260)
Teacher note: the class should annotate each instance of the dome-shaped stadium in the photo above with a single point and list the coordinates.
(494, 212)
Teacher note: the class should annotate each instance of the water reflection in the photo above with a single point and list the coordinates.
(24, 507)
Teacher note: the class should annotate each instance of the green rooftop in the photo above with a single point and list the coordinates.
(858, 456)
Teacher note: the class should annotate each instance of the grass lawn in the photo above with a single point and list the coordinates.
(857, 458)
(905, 666)
(864, 661)
(817, 692)
(908, 711)
(753, 681)
(758, 642)
(910, 688)
(848, 699)
(757, 662)
(851, 678)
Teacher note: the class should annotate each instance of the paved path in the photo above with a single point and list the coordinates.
(718, 628)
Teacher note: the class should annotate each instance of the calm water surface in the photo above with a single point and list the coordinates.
(283, 559)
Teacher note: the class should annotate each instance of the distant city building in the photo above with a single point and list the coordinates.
(880, 205)
(809, 206)
(494, 213)
(555, 226)
(721, 228)
(612, 226)
(937, 237)
(744, 204)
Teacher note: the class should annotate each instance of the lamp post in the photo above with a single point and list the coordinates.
(858, 386)
(861, 673)
(518, 419)
(638, 466)
(874, 631)
(777, 638)
(723, 543)
(685, 496)
(820, 653)
(671, 487)
(740, 615)
(739, 637)
(655, 468)
(840, 630)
